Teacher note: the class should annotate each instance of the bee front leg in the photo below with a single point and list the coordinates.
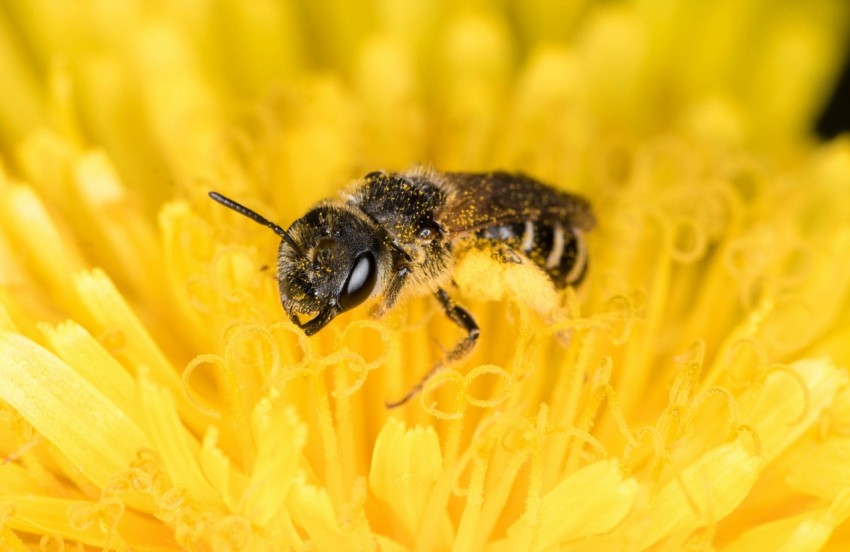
(462, 318)
(391, 293)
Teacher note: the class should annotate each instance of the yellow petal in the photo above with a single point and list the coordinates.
(95, 524)
(312, 510)
(715, 484)
(218, 469)
(93, 363)
(16, 480)
(175, 446)
(41, 241)
(803, 533)
(791, 402)
(96, 435)
(281, 437)
(798, 534)
(591, 501)
(820, 468)
(23, 108)
(405, 465)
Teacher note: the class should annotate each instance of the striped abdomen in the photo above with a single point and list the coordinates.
(558, 249)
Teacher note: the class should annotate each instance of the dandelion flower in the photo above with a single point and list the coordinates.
(153, 395)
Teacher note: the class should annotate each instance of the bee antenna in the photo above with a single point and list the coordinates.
(256, 217)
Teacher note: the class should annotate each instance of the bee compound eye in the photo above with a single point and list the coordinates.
(360, 282)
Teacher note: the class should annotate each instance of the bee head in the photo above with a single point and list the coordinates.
(331, 266)
(328, 262)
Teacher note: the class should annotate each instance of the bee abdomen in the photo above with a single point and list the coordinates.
(557, 248)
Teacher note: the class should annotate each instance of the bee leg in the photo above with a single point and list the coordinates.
(391, 293)
(505, 254)
(462, 318)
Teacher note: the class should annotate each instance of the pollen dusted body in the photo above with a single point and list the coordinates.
(392, 234)
(405, 211)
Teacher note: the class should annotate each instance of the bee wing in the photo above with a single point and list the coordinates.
(479, 200)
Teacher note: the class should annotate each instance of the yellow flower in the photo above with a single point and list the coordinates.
(691, 393)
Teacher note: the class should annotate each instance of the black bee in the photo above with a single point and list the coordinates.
(394, 234)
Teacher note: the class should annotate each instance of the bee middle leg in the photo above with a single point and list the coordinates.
(462, 318)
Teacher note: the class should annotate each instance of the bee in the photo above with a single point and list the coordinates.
(392, 235)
